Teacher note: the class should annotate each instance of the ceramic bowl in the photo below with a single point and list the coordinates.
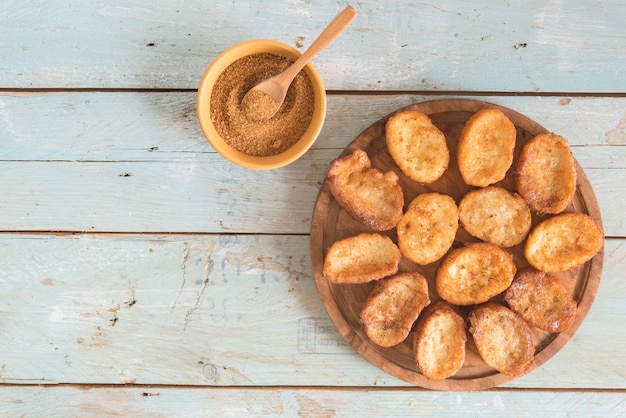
(214, 70)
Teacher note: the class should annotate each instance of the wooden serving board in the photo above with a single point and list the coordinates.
(344, 302)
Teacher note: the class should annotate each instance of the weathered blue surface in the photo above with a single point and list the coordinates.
(132, 254)
(511, 46)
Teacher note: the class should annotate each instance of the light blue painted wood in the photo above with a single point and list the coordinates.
(239, 310)
(117, 162)
(201, 310)
(229, 304)
(275, 402)
(206, 195)
(130, 126)
(515, 45)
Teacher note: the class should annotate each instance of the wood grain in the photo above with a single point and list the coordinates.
(259, 321)
(119, 316)
(480, 46)
(126, 160)
(163, 126)
(86, 401)
(344, 302)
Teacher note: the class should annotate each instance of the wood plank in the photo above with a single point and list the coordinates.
(207, 195)
(112, 155)
(220, 310)
(194, 294)
(480, 46)
(131, 126)
(303, 402)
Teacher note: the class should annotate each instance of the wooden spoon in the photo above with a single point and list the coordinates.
(263, 100)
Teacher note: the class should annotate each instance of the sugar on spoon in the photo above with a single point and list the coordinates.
(263, 100)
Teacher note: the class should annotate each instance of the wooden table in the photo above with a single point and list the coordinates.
(143, 275)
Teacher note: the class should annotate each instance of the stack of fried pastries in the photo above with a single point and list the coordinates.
(480, 289)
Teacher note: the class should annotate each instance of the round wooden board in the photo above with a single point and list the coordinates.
(344, 302)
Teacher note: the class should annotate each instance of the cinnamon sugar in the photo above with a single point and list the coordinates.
(244, 131)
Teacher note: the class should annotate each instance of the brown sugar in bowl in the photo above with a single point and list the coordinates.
(203, 104)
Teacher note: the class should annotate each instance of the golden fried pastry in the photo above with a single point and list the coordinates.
(546, 173)
(428, 227)
(474, 274)
(392, 307)
(563, 242)
(495, 215)
(439, 341)
(371, 196)
(361, 258)
(417, 146)
(503, 339)
(541, 300)
(485, 150)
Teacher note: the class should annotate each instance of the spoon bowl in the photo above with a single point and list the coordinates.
(205, 89)
(263, 100)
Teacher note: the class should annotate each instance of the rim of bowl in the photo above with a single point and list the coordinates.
(218, 65)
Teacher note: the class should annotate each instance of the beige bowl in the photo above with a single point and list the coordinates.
(231, 55)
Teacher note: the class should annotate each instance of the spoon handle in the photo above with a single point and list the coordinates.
(334, 28)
